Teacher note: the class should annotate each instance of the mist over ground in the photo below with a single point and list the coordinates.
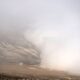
(52, 25)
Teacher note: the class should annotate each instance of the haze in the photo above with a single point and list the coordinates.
(52, 25)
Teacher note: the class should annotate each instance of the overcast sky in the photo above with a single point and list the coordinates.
(52, 25)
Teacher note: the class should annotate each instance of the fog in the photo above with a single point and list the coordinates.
(52, 25)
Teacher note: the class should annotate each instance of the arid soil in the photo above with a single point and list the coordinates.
(25, 72)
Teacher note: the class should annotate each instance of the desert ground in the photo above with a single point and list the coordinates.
(27, 72)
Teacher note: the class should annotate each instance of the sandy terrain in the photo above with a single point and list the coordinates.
(24, 71)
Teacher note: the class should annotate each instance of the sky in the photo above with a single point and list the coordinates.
(52, 25)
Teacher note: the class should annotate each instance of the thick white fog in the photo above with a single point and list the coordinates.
(52, 25)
